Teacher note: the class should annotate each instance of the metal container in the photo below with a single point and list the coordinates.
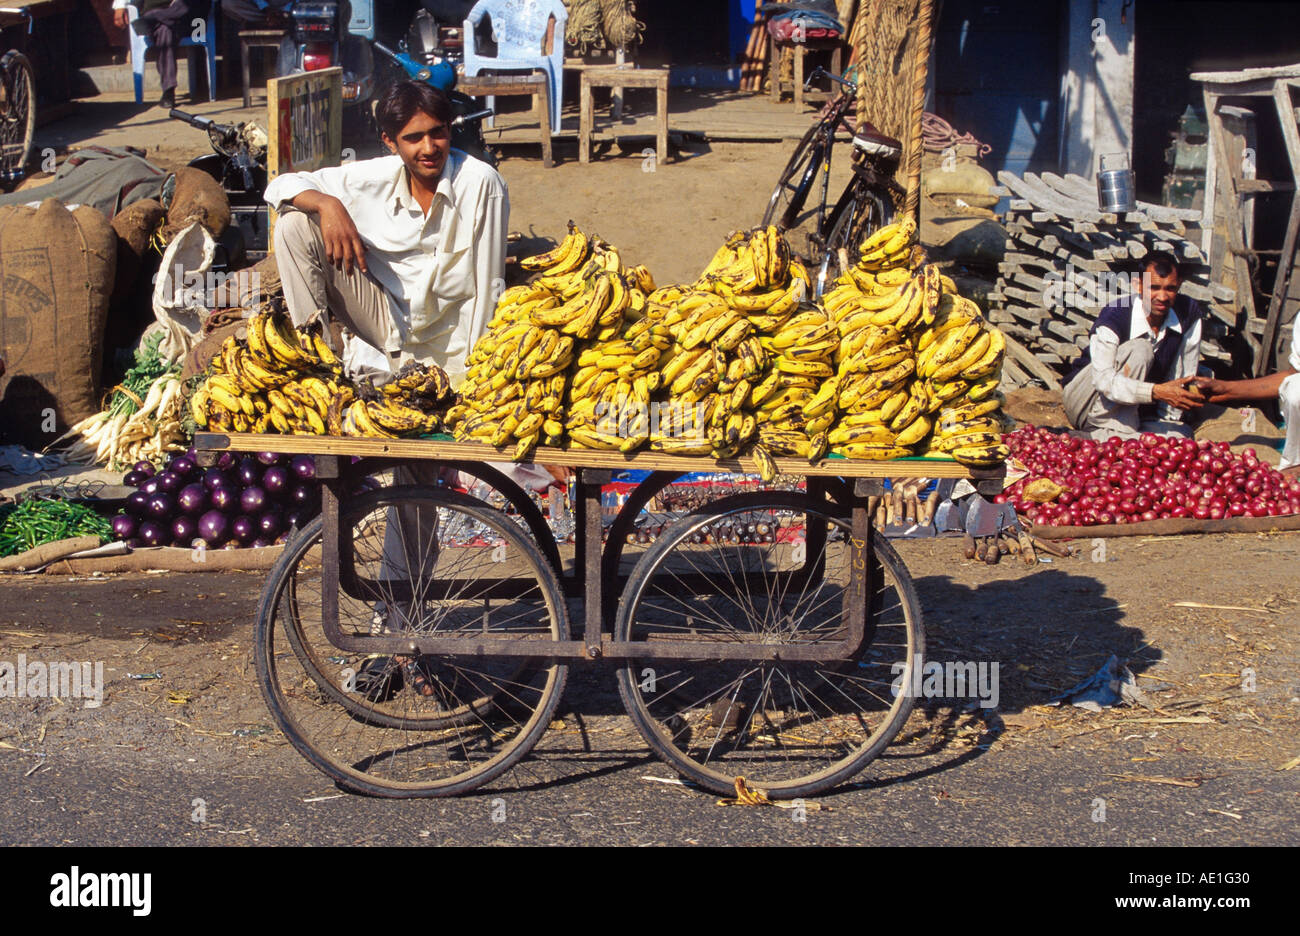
(1115, 188)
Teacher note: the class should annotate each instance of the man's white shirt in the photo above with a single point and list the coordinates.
(443, 270)
(1114, 385)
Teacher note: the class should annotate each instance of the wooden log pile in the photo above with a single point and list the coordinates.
(1066, 259)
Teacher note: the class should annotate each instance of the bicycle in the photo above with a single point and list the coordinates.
(17, 108)
(870, 198)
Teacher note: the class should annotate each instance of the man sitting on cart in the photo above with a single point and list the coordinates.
(406, 251)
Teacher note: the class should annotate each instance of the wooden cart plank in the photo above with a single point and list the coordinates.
(579, 458)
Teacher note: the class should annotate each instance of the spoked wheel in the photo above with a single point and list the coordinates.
(17, 115)
(793, 206)
(789, 728)
(412, 560)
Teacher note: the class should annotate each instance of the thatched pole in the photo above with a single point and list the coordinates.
(920, 74)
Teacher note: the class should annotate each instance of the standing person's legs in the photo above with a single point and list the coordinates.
(313, 286)
(1088, 410)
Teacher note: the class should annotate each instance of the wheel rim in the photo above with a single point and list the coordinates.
(483, 714)
(17, 113)
(787, 728)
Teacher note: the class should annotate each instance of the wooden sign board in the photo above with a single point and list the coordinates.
(305, 120)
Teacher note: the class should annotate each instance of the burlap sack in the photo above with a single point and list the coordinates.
(950, 178)
(198, 197)
(198, 358)
(56, 274)
(134, 226)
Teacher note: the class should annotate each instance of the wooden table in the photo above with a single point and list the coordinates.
(618, 77)
(776, 87)
(255, 39)
(534, 85)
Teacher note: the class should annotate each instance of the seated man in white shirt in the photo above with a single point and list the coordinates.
(1137, 371)
(1285, 385)
(407, 251)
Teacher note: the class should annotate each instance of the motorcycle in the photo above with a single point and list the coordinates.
(238, 162)
(325, 33)
(430, 53)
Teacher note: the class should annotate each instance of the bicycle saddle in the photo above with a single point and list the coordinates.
(870, 140)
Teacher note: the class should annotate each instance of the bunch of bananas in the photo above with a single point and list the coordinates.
(796, 397)
(909, 345)
(960, 359)
(286, 380)
(719, 369)
(413, 402)
(518, 374)
(610, 405)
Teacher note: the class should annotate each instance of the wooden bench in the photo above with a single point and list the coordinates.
(619, 77)
(534, 85)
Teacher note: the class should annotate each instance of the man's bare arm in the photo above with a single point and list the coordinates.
(343, 245)
(1240, 391)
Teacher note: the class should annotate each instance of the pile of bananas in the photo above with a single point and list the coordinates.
(286, 380)
(960, 358)
(517, 384)
(721, 383)
(796, 398)
(910, 352)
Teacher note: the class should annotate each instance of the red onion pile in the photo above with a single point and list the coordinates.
(1151, 477)
(243, 501)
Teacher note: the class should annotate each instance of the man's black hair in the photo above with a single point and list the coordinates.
(404, 100)
(1162, 266)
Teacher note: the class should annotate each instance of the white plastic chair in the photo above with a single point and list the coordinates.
(141, 44)
(519, 28)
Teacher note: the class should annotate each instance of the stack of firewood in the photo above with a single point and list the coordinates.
(1066, 259)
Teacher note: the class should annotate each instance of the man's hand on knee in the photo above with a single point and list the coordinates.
(343, 245)
(344, 248)
(1179, 393)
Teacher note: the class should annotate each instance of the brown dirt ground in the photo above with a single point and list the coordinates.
(1048, 628)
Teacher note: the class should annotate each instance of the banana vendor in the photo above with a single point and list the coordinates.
(406, 251)
(1143, 351)
(1285, 385)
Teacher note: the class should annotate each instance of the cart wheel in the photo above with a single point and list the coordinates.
(412, 560)
(789, 728)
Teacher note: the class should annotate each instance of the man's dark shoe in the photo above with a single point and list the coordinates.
(378, 679)
(168, 98)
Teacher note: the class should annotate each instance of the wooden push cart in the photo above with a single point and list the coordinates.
(414, 641)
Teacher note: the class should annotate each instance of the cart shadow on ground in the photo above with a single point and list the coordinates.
(1045, 633)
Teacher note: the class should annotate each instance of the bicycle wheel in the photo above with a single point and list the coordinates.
(17, 114)
(418, 561)
(857, 214)
(787, 208)
(789, 728)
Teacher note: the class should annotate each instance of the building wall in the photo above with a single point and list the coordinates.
(996, 74)
(1097, 83)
